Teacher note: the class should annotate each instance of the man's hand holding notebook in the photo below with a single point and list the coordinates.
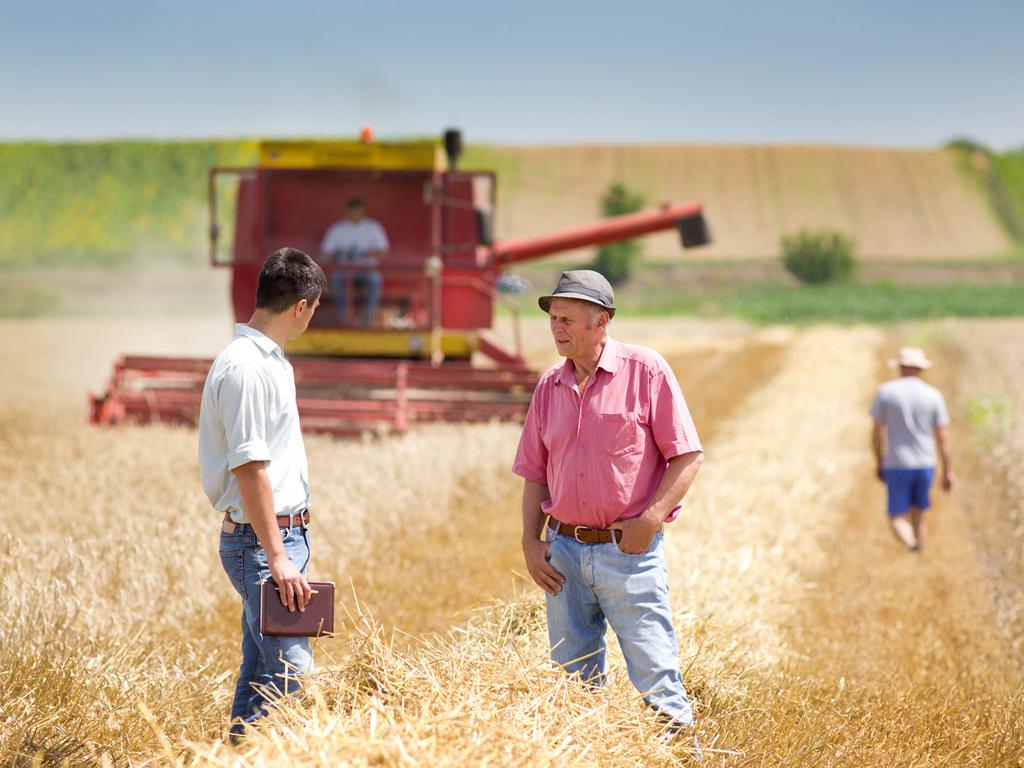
(316, 620)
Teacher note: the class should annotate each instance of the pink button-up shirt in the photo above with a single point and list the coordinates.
(603, 454)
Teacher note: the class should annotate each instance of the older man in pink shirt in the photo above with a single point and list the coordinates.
(607, 452)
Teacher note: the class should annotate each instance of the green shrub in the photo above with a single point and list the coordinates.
(615, 260)
(819, 256)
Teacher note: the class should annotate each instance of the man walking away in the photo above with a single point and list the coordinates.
(253, 466)
(910, 417)
(607, 451)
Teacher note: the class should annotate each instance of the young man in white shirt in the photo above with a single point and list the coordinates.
(253, 466)
(356, 241)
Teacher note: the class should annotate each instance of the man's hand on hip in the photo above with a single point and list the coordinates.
(637, 534)
(294, 589)
(541, 571)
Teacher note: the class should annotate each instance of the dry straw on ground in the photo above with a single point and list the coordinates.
(808, 638)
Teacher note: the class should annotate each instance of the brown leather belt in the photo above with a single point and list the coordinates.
(583, 534)
(283, 521)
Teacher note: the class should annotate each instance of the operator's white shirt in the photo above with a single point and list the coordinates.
(248, 413)
(353, 239)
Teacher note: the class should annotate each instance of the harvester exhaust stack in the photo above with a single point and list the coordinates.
(453, 147)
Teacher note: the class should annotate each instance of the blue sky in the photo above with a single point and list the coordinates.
(910, 73)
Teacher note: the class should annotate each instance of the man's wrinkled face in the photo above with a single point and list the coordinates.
(576, 326)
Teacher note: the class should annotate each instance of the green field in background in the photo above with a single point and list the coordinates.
(882, 303)
(121, 203)
(108, 203)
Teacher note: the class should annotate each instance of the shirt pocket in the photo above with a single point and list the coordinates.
(620, 441)
(618, 434)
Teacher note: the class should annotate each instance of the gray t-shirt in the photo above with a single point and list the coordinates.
(910, 409)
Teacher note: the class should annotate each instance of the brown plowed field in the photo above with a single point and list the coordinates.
(895, 203)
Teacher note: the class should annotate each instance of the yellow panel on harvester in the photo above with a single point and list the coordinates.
(396, 156)
(402, 344)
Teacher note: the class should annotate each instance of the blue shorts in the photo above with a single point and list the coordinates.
(908, 488)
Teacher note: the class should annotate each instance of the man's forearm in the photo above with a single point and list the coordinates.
(942, 438)
(876, 442)
(258, 505)
(678, 477)
(534, 494)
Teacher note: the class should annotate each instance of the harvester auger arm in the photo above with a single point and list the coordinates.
(688, 218)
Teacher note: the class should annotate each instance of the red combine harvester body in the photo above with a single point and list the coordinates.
(410, 360)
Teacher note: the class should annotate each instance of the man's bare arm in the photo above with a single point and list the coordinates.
(942, 440)
(679, 474)
(534, 550)
(878, 446)
(675, 484)
(258, 503)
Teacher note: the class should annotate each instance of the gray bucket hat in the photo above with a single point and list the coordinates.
(585, 285)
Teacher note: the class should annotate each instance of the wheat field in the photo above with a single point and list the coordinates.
(808, 638)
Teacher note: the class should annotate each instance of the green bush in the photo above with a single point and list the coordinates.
(819, 256)
(615, 260)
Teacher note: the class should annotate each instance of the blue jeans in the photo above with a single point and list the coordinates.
(369, 280)
(270, 665)
(603, 585)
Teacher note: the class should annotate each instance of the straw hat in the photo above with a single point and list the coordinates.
(911, 357)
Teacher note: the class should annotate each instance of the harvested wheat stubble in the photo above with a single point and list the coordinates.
(119, 512)
(776, 471)
(899, 662)
(113, 595)
(990, 377)
(116, 596)
(486, 695)
(767, 654)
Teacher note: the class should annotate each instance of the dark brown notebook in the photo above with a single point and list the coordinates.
(317, 619)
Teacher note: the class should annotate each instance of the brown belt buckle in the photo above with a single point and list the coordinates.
(576, 533)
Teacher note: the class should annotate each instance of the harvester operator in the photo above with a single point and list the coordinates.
(607, 452)
(355, 245)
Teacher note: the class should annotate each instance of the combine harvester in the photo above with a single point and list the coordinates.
(412, 363)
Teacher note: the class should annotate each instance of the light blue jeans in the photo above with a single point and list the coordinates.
(603, 585)
(369, 280)
(270, 665)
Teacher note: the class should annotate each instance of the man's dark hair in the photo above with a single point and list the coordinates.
(288, 275)
(354, 203)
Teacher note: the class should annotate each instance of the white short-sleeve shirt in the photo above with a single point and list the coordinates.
(351, 240)
(249, 413)
(910, 409)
